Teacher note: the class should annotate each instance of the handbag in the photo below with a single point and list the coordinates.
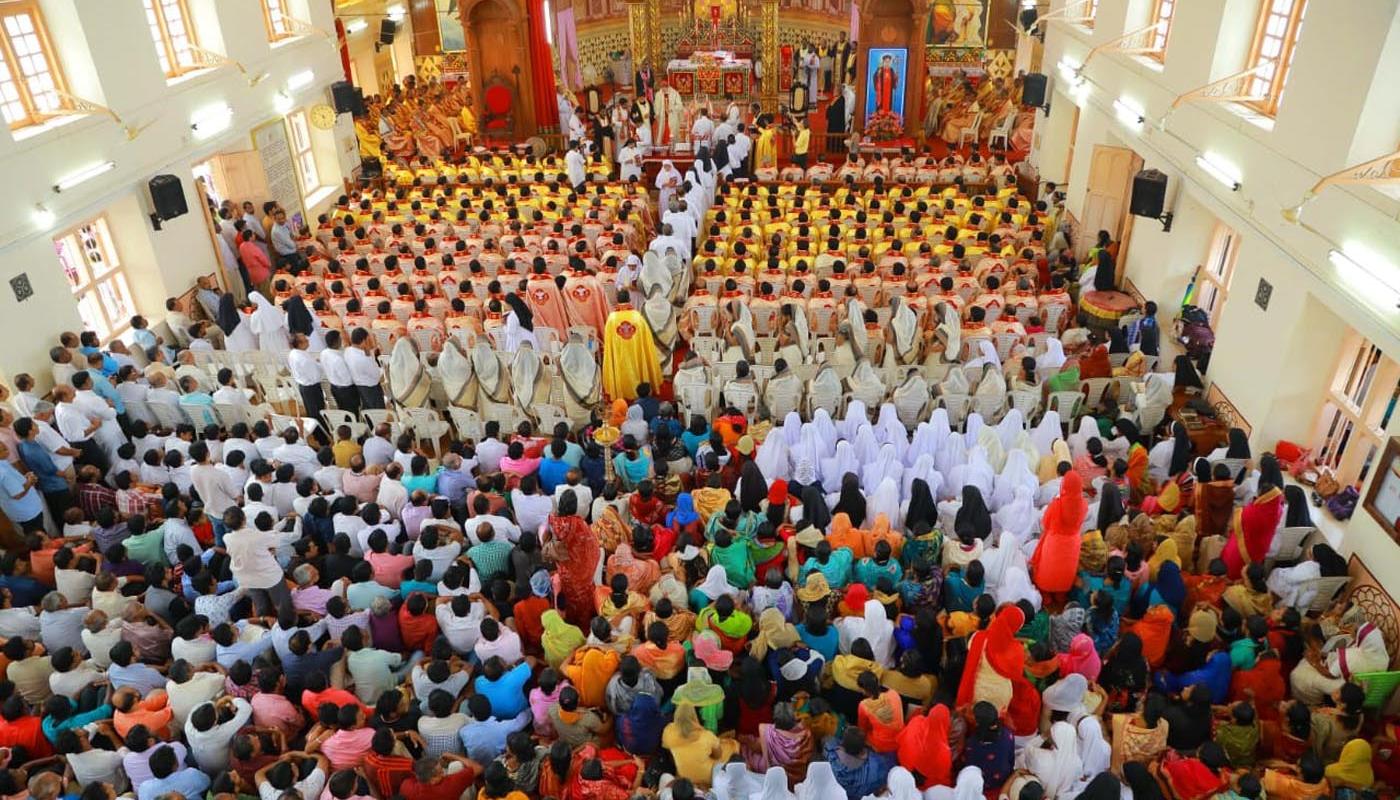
(1327, 484)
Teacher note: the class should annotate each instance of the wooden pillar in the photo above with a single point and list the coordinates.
(637, 33)
(768, 48)
(917, 74)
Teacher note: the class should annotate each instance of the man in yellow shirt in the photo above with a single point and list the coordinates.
(801, 143)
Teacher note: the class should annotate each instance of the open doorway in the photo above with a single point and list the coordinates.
(1106, 198)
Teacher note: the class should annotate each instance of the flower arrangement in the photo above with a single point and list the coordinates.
(884, 126)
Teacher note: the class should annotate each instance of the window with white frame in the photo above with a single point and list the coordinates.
(1162, 16)
(1280, 24)
(303, 153)
(1090, 12)
(1358, 407)
(94, 272)
(172, 30)
(30, 78)
(1213, 280)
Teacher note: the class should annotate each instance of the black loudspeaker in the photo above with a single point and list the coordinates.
(1028, 18)
(1149, 194)
(168, 197)
(1033, 90)
(348, 98)
(387, 29)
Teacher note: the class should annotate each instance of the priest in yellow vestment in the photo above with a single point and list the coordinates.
(629, 353)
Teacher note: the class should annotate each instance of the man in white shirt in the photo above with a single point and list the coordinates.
(78, 428)
(377, 449)
(667, 241)
(327, 474)
(365, 370)
(253, 565)
(481, 508)
(702, 131)
(393, 495)
(25, 400)
(739, 152)
(532, 509)
(208, 738)
(490, 450)
(215, 488)
(297, 453)
(338, 374)
(576, 166)
(573, 482)
(306, 371)
(229, 393)
(59, 451)
(109, 434)
(160, 392)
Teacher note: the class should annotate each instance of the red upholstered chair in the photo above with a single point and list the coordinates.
(499, 121)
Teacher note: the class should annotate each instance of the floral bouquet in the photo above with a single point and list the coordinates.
(884, 126)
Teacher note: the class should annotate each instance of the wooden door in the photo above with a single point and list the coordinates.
(239, 176)
(1106, 198)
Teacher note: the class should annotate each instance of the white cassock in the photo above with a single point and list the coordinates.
(666, 182)
(702, 132)
(270, 324)
(630, 162)
(576, 165)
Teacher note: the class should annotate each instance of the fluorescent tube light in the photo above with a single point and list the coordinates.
(1220, 169)
(86, 174)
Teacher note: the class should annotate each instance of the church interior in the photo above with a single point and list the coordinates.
(1038, 313)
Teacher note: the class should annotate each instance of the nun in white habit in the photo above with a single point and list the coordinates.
(867, 446)
(899, 785)
(1050, 362)
(968, 786)
(733, 781)
(885, 500)
(1057, 769)
(856, 416)
(885, 465)
(835, 468)
(269, 324)
(1079, 440)
(1014, 476)
(827, 430)
(1019, 516)
(1045, 433)
(874, 627)
(820, 784)
(889, 430)
(775, 785)
(952, 458)
(923, 468)
(772, 458)
(925, 442)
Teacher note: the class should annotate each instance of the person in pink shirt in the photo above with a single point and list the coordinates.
(272, 709)
(255, 261)
(308, 596)
(346, 748)
(516, 464)
(389, 568)
(542, 697)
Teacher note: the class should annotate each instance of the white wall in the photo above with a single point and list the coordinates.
(1273, 365)
(108, 57)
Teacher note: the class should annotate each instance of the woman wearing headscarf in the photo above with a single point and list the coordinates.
(1056, 560)
(519, 325)
(1215, 502)
(560, 639)
(1252, 530)
(694, 748)
(843, 462)
(269, 324)
(1352, 769)
(300, 320)
(1056, 762)
(1082, 658)
(973, 513)
(1139, 482)
(820, 783)
(874, 627)
(752, 488)
(923, 747)
(774, 633)
(851, 503)
(578, 561)
(1124, 675)
(995, 672)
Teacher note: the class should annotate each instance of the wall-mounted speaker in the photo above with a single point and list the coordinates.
(387, 29)
(1033, 90)
(168, 197)
(348, 98)
(1149, 194)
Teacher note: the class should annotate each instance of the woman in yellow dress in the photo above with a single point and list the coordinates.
(766, 151)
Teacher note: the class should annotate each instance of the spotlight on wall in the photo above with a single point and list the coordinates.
(1129, 112)
(354, 26)
(211, 120)
(86, 174)
(300, 80)
(1368, 273)
(42, 218)
(1220, 169)
(395, 12)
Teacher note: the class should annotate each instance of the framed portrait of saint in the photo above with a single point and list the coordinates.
(885, 83)
(454, 39)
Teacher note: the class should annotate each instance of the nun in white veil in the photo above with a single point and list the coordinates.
(978, 471)
(1012, 423)
(1079, 440)
(1050, 362)
(856, 416)
(269, 324)
(1045, 433)
(734, 781)
(1015, 586)
(809, 447)
(925, 442)
(835, 468)
(988, 440)
(820, 783)
(951, 459)
(1019, 516)
(775, 785)
(773, 458)
(1014, 476)
(874, 627)
(987, 355)
(867, 446)
(899, 785)
(885, 500)
(886, 464)
(968, 786)
(972, 428)
(889, 430)
(827, 430)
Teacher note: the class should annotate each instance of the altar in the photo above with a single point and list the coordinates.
(710, 73)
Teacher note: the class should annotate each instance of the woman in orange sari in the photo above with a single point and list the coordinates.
(1139, 484)
(880, 715)
(1252, 530)
(996, 672)
(1056, 559)
(844, 534)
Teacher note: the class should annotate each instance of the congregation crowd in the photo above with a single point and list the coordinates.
(813, 523)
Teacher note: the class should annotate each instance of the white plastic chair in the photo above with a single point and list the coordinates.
(335, 417)
(1026, 401)
(1067, 404)
(1002, 131)
(989, 406)
(427, 425)
(467, 422)
(969, 134)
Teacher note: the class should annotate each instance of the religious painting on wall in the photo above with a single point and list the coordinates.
(957, 23)
(449, 14)
(884, 92)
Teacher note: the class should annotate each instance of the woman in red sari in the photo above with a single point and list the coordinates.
(1252, 530)
(1056, 560)
(996, 672)
(923, 748)
(598, 774)
(577, 563)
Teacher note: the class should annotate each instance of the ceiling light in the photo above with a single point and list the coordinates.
(300, 80)
(1220, 169)
(1368, 273)
(355, 26)
(396, 12)
(283, 103)
(42, 217)
(211, 120)
(1129, 112)
(69, 181)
